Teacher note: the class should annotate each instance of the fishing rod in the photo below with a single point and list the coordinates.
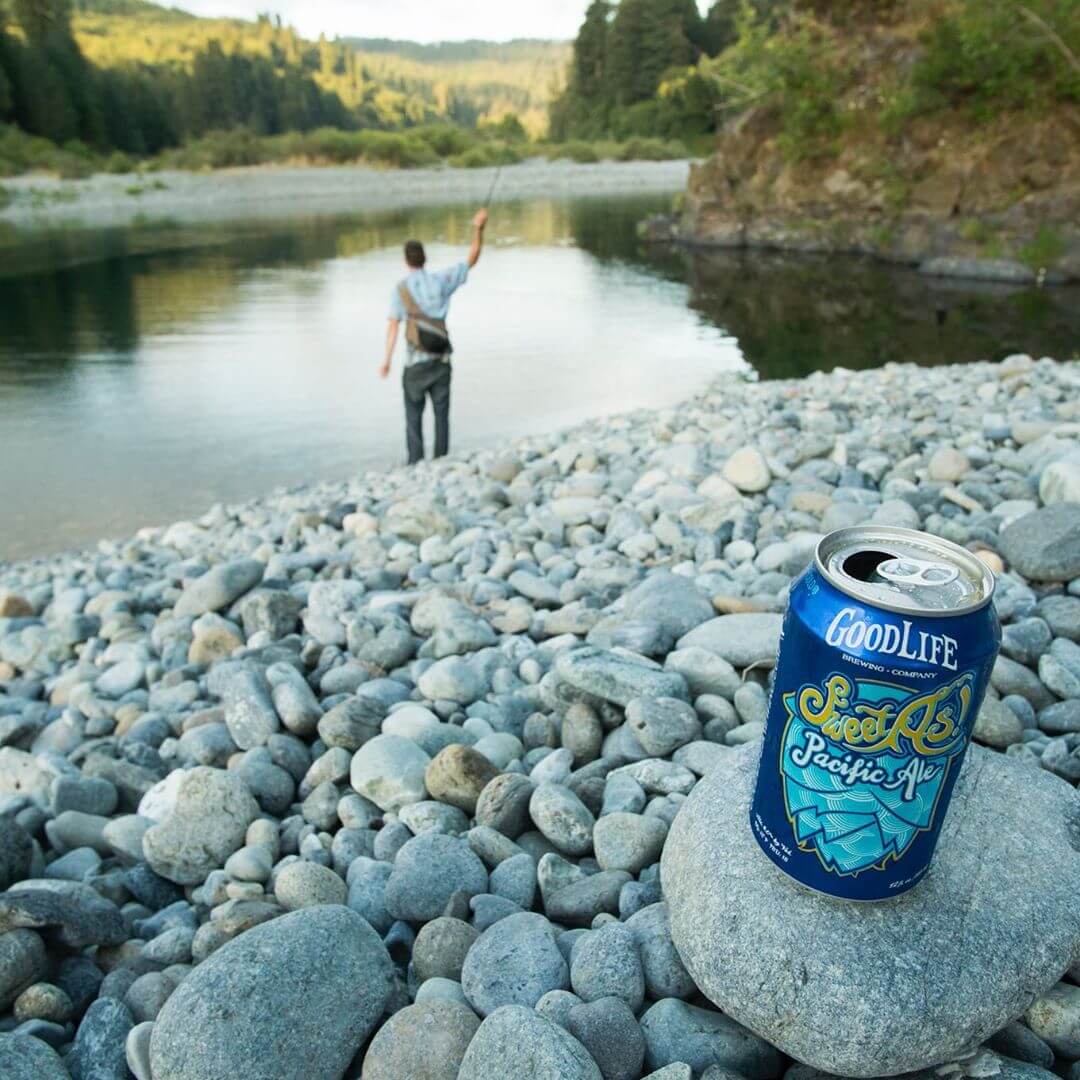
(498, 171)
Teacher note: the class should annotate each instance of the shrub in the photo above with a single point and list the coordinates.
(1044, 250)
(575, 150)
(651, 150)
(484, 155)
(987, 55)
(119, 162)
(445, 139)
(21, 153)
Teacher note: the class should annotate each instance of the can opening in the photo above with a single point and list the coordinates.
(861, 565)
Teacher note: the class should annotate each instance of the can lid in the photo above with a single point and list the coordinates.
(904, 570)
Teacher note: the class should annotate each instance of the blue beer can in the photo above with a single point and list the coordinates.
(884, 658)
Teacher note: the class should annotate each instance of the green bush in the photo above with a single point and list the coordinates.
(575, 150)
(119, 162)
(400, 151)
(217, 150)
(22, 153)
(485, 155)
(987, 55)
(1044, 250)
(651, 150)
(445, 139)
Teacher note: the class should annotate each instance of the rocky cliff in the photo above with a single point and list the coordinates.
(992, 192)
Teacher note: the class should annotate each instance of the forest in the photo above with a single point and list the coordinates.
(107, 84)
(87, 84)
(825, 68)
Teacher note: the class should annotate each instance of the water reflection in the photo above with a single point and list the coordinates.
(143, 388)
(797, 314)
(146, 374)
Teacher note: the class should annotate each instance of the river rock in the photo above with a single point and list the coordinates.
(219, 587)
(628, 841)
(514, 962)
(747, 470)
(741, 639)
(389, 770)
(98, 1052)
(70, 911)
(662, 725)
(428, 870)
(563, 818)
(457, 775)
(23, 1057)
(503, 805)
(607, 1029)
(605, 963)
(441, 947)
(616, 678)
(948, 465)
(295, 998)
(305, 884)
(22, 963)
(207, 823)
(677, 1032)
(426, 1041)
(1055, 1018)
(1045, 545)
(16, 854)
(980, 945)
(515, 1041)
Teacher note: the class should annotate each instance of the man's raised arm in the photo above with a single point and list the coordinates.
(479, 221)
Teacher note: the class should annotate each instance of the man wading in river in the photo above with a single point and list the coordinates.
(422, 299)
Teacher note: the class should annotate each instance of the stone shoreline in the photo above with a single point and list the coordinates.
(273, 192)
(946, 254)
(374, 779)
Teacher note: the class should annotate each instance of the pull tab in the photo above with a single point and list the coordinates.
(913, 572)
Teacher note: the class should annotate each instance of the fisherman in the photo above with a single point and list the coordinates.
(422, 300)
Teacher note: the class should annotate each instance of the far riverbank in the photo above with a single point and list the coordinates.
(267, 193)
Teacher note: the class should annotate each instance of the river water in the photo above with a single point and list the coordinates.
(146, 374)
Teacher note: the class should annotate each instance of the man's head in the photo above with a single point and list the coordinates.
(414, 254)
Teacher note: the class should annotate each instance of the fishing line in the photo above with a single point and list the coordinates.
(498, 172)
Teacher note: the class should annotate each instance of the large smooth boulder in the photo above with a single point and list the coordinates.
(880, 989)
(291, 999)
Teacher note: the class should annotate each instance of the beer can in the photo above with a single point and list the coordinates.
(884, 658)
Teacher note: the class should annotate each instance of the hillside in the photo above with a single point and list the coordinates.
(906, 130)
(484, 79)
(389, 83)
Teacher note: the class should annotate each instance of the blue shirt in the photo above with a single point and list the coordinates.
(431, 291)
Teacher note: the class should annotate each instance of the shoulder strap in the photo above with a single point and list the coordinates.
(409, 303)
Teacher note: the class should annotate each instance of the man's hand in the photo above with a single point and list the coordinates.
(479, 221)
(384, 370)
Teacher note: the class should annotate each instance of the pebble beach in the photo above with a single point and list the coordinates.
(444, 773)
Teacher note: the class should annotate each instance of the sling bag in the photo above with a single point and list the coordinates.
(423, 332)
